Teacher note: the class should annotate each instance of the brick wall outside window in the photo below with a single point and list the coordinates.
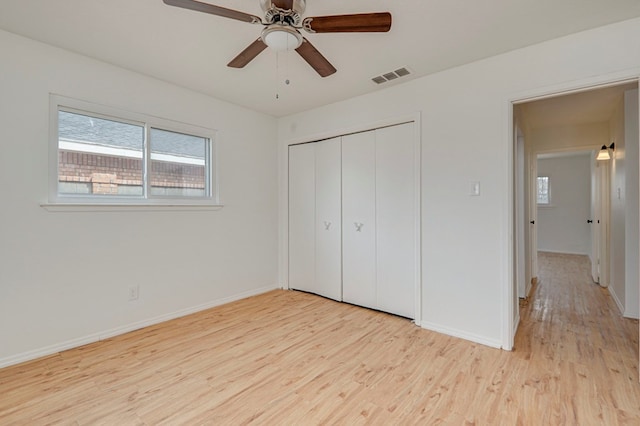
(106, 172)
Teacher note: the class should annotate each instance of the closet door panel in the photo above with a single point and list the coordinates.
(358, 219)
(328, 269)
(302, 210)
(395, 218)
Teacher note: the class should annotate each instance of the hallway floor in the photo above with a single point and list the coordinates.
(584, 351)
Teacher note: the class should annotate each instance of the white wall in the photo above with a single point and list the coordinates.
(632, 251)
(64, 276)
(466, 264)
(570, 137)
(562, 225)
(624, 205)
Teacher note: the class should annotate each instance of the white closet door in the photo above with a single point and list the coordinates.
(358, 219)
(395, 220)
(328, 268)
(302, 209)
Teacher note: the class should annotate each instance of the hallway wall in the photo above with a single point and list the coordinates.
(562, 225)
(632, 219)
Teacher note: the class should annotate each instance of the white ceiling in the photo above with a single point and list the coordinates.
(589, 106)
(192, 49)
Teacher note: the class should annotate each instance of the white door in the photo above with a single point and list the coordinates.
(395, 220)
(302, 211)
(533, 217)
(358, 219)
(328, 232)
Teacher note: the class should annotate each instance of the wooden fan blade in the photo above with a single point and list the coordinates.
(314, 58)
(359, 23)
(214, 10)
(283, 4)
(248, 54)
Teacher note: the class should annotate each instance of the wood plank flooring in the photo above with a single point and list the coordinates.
(295, 359)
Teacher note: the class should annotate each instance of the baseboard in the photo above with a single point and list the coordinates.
(632, 315)
(625, 312)
(106, 334)
(461, 334)
(48, 350)
(563, 252)
(615, 298)
(516, 324)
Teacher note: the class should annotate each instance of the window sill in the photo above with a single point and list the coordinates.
(115, 207)
(546, 206)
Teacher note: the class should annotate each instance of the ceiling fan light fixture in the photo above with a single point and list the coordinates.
(281, 38)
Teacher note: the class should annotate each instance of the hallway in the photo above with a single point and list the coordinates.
(572, 330)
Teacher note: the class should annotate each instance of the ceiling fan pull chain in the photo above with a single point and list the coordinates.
(277, 74)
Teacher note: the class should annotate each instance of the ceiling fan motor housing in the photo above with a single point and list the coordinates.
(275, 14)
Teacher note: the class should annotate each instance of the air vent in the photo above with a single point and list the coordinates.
(400, 72)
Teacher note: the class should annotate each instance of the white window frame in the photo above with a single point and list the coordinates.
(57, 201)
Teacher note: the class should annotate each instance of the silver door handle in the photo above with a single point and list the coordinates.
(358, 226)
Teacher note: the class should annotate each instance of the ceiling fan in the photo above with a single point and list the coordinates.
(282, 23)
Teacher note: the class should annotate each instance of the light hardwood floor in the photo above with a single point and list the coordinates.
(292, 358)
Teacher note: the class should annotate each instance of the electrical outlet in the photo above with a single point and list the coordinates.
(134, 292)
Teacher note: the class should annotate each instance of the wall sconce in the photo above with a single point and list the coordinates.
(603, 154)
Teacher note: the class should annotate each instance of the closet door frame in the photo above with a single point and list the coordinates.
(284, 210)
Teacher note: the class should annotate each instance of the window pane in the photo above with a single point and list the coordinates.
(98, 156)
(543, 189)
(178, 164)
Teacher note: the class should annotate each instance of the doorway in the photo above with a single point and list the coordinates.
(562, 124)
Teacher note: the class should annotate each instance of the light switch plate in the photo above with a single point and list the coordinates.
(474, 188)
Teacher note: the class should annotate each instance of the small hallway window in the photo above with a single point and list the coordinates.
(543, 190)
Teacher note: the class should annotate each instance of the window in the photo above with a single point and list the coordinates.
(543, 190)
(105, 156)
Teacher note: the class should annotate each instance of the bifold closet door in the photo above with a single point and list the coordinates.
(353, 230)
(314, 218)
(328, 269)
(396, 230)
(302, 207)
(359, 219)
(379, 219)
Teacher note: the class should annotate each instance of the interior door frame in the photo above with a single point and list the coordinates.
(531, 180)
(594, 214)
(283, 246)
(509, 291)
(522, 275)
(603, 210)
